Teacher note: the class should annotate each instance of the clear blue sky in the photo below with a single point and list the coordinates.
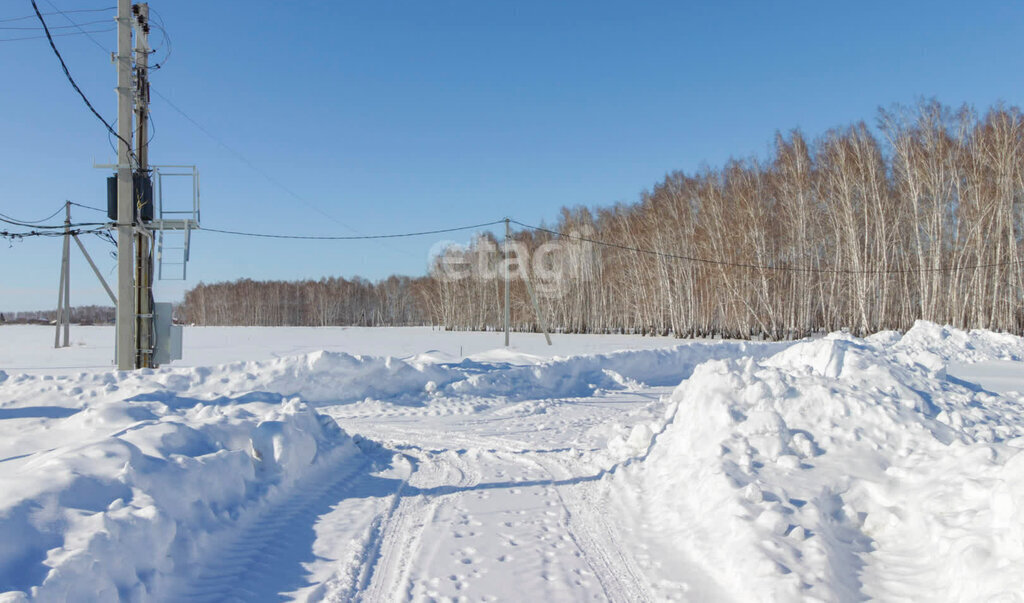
(404, 116)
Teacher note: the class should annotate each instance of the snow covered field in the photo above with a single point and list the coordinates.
(279, 463)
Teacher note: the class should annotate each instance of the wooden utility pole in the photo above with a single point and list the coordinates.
(125, 210)
(143, 238)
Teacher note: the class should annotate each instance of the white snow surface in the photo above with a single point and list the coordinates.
(604, 468)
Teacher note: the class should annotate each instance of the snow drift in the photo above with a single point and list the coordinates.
(831, 469)
(841, 468)
(139, 471)
(109, 519)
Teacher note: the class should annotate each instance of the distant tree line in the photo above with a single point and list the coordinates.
(849, 231)
(395, 301)
(852, 230)
(84, 315)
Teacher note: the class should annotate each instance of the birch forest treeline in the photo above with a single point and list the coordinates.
(864, 229)
(327, 302)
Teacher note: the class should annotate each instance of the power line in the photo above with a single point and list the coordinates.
(80, 10)
(72, 80)
(163, 33)
(58, 35)
(27, 224)
(99, 228)
(253, 166)
(764, 267)
(60, 209)
(36, 27)
(152, 132)
(167, 42)
(49, 226)
(70, 20)
(350, 238)
(39, 223)
(102, 211)
(4, 234)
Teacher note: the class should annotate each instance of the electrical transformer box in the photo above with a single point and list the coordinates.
(168, 335)
(142, 194)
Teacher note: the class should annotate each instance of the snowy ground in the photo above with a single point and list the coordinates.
(265, 468)
(29, 349)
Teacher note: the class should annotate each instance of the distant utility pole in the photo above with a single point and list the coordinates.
(533, 300)
(524, 271)
(126, 351)
(63, 318)
(507, 296)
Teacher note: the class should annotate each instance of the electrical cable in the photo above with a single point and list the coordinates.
(79, 10)
(78, 25)
(724, 263)
(152, 132)
(53, 226)
(100, 229)
(763, 267)
(349, 238)
(4, 234)
(59, 35)
(105, 236)
(70, 20)
(75, 85)
(29, 225)
(152, 127)
(166, 38)
(102, 211)
(253, 166)
(49, 217)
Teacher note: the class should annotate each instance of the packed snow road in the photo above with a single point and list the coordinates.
(838, 469)
(478, 505)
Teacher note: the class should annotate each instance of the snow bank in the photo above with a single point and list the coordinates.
(929, 341)
(579, 376)
(334, 377)
(109, 519)
(338, 378)
(111, 481)
(840, 468)
(837, 469)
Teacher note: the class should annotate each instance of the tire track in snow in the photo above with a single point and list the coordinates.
(397, 535)
(378, 559)
(350, 579)
(396, 540)
(616, 571)
(262, 546)
(598, 542)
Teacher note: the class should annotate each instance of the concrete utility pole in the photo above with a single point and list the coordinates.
(524, 271)
(64, 292)
(125, 210)
(143, 263)
(67, 273)
(507, 296)
(63, 318)
(95, 270)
